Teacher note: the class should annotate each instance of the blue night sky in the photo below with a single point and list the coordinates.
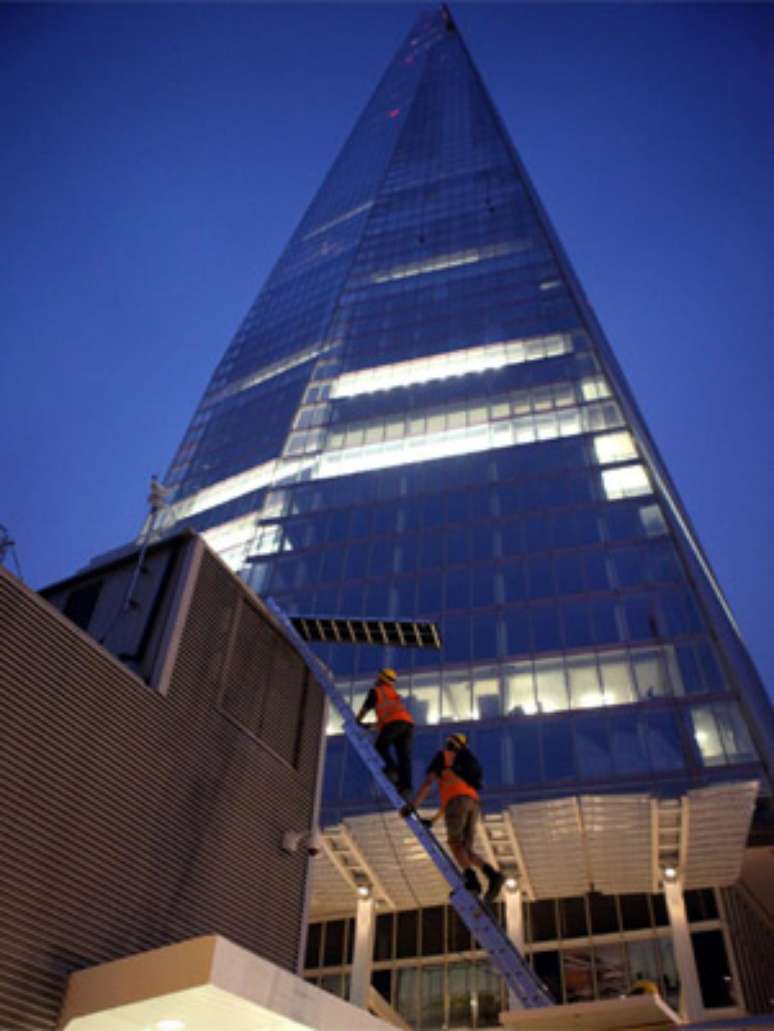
(157, 158)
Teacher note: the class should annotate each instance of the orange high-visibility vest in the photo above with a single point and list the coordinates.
(389, 705)
(451, 784)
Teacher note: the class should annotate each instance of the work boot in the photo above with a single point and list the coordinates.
(496, 881)
(472, 882)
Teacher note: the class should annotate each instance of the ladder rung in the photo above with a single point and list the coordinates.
(490, 935)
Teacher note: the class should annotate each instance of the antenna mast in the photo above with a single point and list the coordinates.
(8, 547)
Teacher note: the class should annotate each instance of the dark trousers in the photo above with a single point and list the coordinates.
(394, 746)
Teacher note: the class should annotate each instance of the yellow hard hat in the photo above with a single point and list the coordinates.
(458, 740)
(388, 674)
(644, 987)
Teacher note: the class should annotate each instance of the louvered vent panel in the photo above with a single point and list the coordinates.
(284, 708)
(129, 820)
(247, 678)
(751, 935)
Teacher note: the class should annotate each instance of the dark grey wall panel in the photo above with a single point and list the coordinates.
(128, 819)
(751, 935)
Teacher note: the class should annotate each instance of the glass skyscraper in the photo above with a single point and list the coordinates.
(420, 417)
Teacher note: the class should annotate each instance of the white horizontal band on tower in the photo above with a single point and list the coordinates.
(461, 362)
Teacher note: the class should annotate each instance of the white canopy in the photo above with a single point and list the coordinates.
(556, 847)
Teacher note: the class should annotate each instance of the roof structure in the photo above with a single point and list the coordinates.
(557, 848)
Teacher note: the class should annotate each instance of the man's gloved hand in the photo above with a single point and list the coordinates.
(407, 809)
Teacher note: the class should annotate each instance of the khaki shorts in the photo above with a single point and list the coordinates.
(461, 817)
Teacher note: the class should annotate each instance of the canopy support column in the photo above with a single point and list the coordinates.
(691, 1004)
(514, 928)
(362, 956)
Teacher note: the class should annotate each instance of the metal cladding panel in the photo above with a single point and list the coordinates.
(751, 936)
(332, 893)
(718, 825)
(385, 838)
(550, 836)
(401, 873)
(618, 830)
(130, 820)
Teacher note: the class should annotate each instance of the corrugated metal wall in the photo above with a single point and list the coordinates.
(751, 935)
(129, 819)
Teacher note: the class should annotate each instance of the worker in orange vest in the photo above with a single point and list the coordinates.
(458, 775)
(396, 729)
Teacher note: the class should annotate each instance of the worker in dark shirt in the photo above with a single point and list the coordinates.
(396, 729)
(458, 774)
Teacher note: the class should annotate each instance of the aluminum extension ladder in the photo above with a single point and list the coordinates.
(504, 955)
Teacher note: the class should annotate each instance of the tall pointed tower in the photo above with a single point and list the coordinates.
(420, 417)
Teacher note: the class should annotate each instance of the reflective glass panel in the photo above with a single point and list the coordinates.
(383, 936)
(525, 751)
(583, 677)
(610, 964)
(604, 913)
(425, 698)
(663, 741)
(572, 918)
(592, 741)
(520, 697)
(460, 988)
(406, 941)
(578, 971)
(406, 994)
(490, 997)
(643, 961)
(670, 978)
(616, 676)
(628, 744)
(548, 969)
(635, 912)
(650, 673)
(551, 685)
(486, 694)
(432, 998)
(558, 751)
(456, 701)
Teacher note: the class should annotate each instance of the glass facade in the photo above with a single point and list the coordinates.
(583, 948)
(420, 418)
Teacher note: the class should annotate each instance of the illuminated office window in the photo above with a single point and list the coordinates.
(627, 481)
